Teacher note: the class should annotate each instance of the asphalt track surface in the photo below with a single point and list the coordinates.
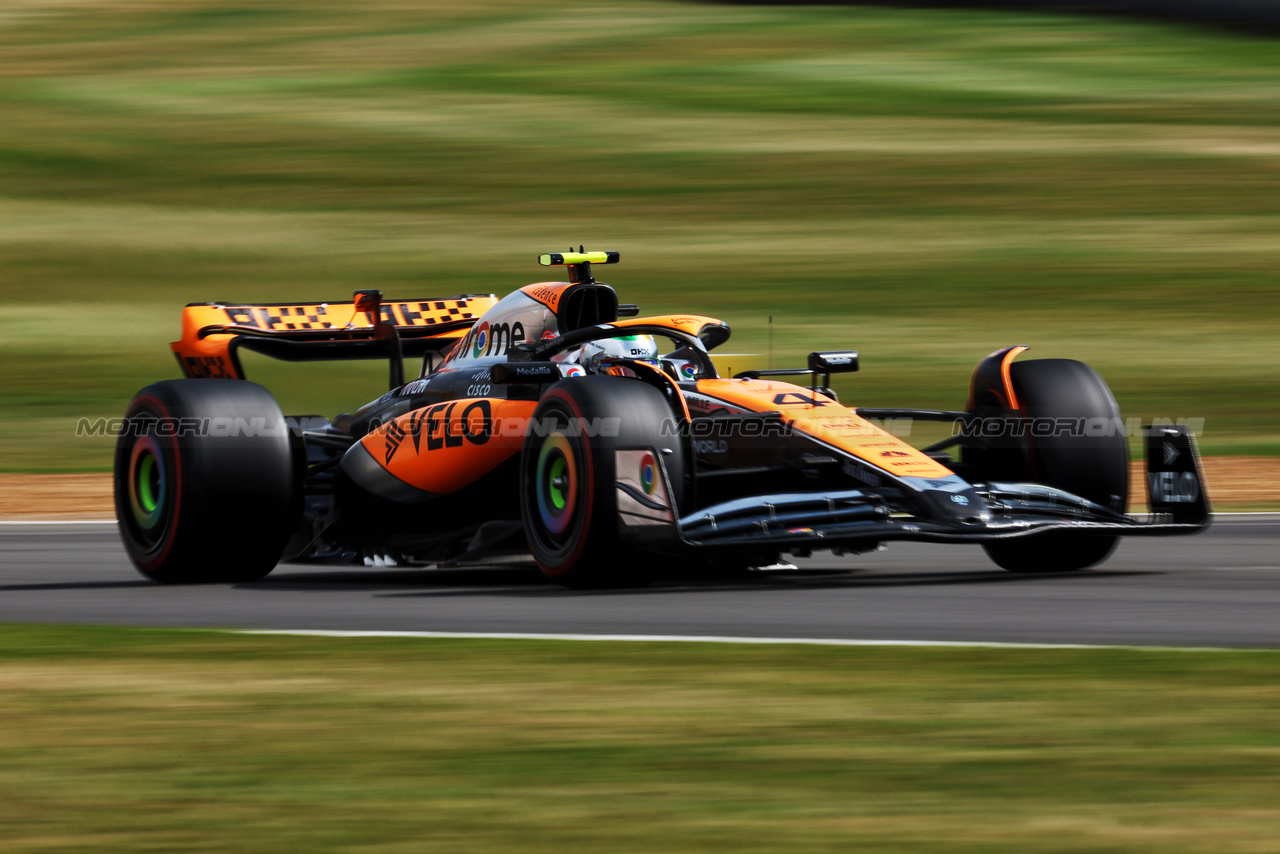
(1217, 589)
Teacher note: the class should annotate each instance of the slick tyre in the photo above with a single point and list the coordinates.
(568, 476)
(1091, 462)
(205, 481)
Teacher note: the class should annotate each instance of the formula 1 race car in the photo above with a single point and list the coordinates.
(558, 423)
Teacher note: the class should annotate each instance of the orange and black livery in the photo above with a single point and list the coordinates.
(560, 424)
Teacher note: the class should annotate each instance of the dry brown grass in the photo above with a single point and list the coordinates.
(56, 496)
(1234, 482)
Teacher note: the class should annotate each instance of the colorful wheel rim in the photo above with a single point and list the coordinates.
(648, 473)
(148, 487)
(556, 478)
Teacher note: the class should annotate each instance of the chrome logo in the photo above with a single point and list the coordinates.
(482, 340)
(648, 473)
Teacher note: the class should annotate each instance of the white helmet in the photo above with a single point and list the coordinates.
(642, 348)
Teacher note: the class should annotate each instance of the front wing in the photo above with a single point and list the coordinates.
(950, 509)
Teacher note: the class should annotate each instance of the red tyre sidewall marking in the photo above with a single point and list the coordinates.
(152, 402)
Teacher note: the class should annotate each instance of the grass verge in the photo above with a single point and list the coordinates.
(121, 739)
(925, 185)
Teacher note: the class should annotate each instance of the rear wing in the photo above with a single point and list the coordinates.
(364, 328)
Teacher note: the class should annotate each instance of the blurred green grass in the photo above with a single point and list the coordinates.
(925, 186)
(149, 740)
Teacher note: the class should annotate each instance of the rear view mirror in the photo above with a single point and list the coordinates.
(835, 362)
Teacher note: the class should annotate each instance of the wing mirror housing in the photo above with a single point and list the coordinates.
(834, 362)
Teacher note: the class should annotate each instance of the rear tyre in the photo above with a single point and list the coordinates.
(205, 481)
(1094, 467)
(568, 496)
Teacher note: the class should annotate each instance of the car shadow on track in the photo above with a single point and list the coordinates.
(518, 581)
(511, 581)
(409, 577)
(75, 585)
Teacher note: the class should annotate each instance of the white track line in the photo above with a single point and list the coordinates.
(336, 633)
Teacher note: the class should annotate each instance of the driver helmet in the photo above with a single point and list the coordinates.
(640, 348)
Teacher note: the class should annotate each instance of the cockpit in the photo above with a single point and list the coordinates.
(576, 325)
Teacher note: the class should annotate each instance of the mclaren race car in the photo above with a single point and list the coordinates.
(559, 423)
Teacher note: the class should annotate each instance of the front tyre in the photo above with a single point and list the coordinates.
(568, 476)
(204, 481)
(1095, 467)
